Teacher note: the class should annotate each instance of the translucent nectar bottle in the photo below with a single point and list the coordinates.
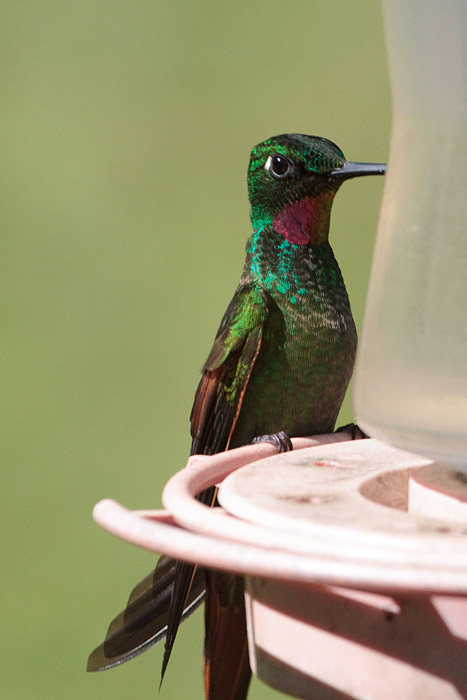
(411, 377)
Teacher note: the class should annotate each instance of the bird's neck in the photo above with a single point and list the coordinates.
(288, 269)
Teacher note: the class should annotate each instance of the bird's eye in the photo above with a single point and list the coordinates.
(279, 166)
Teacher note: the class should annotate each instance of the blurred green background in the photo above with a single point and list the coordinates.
(126, 133)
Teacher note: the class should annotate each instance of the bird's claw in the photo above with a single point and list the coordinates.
(353, 430)
(280, 440)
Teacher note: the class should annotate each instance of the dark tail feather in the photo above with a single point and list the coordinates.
(145, 619)
(185, 578)
(182, 591)
(227, 670)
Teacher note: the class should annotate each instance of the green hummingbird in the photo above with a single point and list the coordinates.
(280, 366)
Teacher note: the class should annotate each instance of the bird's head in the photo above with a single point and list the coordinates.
(292, 180)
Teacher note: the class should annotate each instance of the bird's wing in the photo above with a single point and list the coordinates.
(225, 376)
(216, 407)
(146, 619)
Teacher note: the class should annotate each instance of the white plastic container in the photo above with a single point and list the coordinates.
(411, 375)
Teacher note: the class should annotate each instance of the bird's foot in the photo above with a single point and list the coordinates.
(353, 430)
(280, 440)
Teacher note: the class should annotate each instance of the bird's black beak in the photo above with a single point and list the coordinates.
(349, 169)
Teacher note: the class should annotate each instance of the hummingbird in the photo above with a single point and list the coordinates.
(279, 367)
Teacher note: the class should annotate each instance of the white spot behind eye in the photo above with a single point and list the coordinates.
(267, 165)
